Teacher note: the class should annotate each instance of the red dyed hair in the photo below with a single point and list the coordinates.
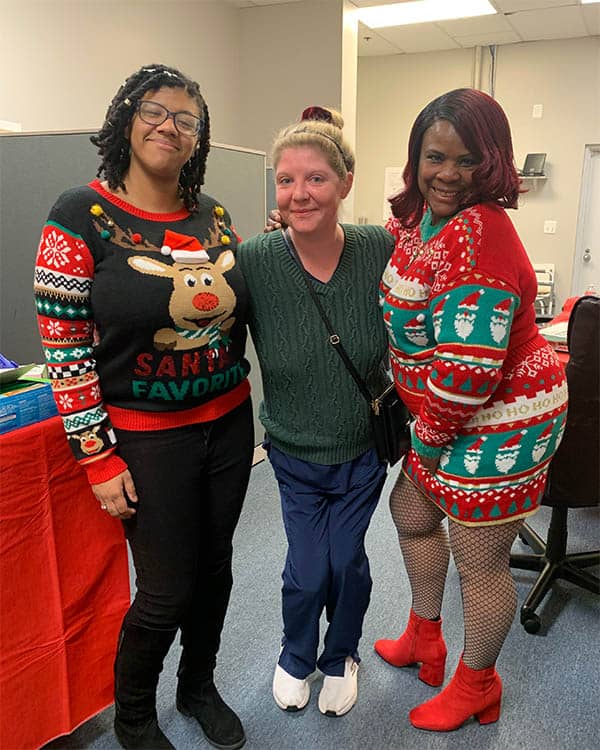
(483, 127)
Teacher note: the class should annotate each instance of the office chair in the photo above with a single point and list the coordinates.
(574, 476)
(544, 301)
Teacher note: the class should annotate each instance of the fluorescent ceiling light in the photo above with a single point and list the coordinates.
(422, 11)
(589, 2)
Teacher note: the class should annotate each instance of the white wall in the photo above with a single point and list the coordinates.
(349, 84)
(392, 89)
(563, 75)
(63, 60)
(291, 58)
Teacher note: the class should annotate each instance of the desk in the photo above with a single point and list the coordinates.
(555, 331)
(64, 589)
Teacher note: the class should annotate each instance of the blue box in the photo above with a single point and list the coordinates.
(23, 403)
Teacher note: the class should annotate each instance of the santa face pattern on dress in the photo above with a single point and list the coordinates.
(415, 331)
(506, 472)
(457, 326)
(490, 401)
(466, 315)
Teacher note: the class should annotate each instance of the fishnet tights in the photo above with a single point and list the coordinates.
(481, 555)
(424, 545)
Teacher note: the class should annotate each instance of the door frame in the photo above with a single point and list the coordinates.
(584, 208)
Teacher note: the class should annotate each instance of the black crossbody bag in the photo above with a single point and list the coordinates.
(390, 419)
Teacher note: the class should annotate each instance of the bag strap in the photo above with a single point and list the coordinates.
(334, 339)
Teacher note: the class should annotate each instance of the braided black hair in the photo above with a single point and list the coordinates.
(113, 145)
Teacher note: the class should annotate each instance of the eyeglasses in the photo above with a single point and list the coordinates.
(154, 113)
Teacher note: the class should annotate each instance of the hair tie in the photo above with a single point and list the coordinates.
(317, 113)
(163, 72)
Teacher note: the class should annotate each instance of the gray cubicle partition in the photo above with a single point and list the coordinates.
(36, 168)
(270, 181)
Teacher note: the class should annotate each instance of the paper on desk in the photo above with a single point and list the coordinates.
(393, 184)
(8, 374)
(38, 373)
(556, 332)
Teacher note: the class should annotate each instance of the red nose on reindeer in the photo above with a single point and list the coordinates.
(205, 301)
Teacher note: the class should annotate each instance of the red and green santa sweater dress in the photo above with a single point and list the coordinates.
(487, 392)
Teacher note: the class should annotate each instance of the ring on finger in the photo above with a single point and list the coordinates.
(103, 507)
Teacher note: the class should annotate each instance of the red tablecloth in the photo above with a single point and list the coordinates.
(64, 589)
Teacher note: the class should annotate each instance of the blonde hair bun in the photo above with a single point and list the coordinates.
(319, 127)
(323, 114)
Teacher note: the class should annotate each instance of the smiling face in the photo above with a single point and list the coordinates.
(446, 167)
(308, 190)
(160, 150)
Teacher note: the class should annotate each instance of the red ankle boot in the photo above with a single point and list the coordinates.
(471, 692)
(422, 641)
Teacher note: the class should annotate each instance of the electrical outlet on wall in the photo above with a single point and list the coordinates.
(538, 111)
(549, 227)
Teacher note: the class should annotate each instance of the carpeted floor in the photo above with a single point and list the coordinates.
(551, 680)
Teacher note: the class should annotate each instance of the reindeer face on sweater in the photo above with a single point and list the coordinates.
(201, 303)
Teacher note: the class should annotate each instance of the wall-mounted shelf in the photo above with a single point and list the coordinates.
(535, 180)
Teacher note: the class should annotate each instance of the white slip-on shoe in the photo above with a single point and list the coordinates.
(339, 694)
(290, 693)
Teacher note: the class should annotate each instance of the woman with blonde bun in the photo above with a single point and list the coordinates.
(317, 423)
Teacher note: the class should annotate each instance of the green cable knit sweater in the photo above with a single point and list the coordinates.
(312, 408)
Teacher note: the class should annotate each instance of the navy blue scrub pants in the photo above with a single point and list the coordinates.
(326, 512)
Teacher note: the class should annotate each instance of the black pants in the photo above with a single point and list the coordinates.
(191, 482)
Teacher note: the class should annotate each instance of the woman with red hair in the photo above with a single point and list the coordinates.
(487, 393)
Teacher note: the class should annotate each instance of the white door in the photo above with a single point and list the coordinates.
(586, 262)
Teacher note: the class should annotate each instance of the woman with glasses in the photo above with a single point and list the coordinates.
(142, 317)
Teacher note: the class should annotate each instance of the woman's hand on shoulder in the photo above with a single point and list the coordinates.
(274, 222)
(113, 495)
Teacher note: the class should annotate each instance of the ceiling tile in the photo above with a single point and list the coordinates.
(514, 6)
(486, 40)
(256, 3)
(377, 47)
(516, 21)
(376, 44)
(369, 3)
(479, 25)
(419, 37)
(552, 23)
(591, 17)
(275, 2)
